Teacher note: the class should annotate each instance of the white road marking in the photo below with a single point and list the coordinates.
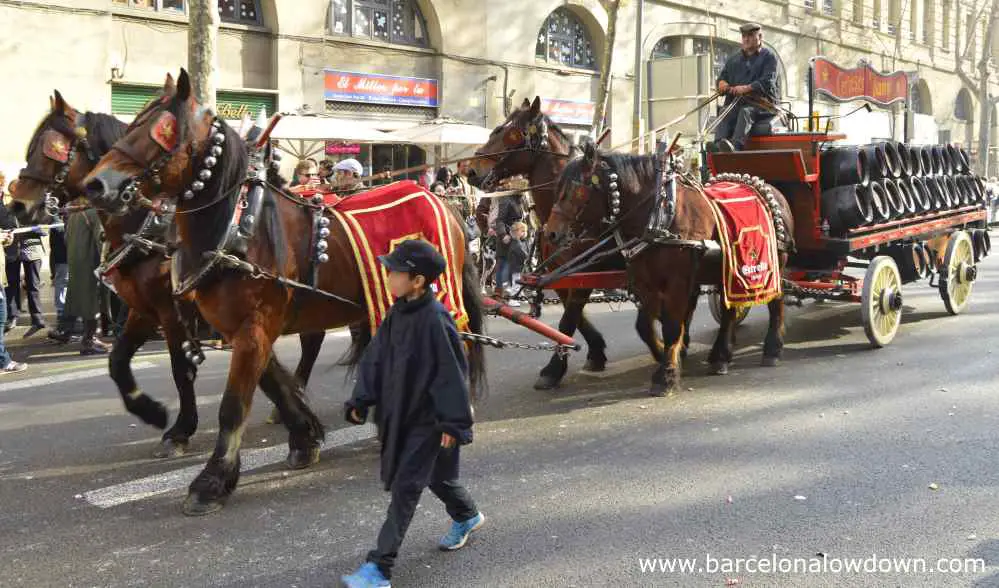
(250, 460)
(49, 380)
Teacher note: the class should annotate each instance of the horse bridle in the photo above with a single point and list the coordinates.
(56, 185)
(532, 137)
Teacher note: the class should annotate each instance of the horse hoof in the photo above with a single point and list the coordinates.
(194, 507)
(274, 418)
(595, 365)
(170, 448)
(658, 391)
(546, 383)
(719, 368)
(299, 459)
(770, 361)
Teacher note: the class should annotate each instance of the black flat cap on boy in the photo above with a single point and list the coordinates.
(417, 257)
(749, 27)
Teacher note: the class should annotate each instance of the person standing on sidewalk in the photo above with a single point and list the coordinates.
(59, 267)
(83, 240)
(7, 364)
(30, 252)
(414, 373)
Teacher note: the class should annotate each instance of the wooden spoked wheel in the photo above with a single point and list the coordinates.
(716, 305)
(881, 301)
(958, 272)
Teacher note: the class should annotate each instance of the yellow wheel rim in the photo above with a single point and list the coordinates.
(884, 319)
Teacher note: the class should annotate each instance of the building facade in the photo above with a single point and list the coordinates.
(393, 63)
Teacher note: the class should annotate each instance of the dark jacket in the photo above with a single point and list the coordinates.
(29, 245)
(414, 372)
(511, 210)
(57, 247)
(758, 71)
(8, 221)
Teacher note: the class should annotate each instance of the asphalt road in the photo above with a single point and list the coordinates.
(841, 452)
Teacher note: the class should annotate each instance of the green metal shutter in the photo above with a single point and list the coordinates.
(130, 99)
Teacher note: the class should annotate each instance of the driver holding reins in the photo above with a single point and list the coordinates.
(750, 73)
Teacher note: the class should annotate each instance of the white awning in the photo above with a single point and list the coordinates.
(324, 128)
(444, 131)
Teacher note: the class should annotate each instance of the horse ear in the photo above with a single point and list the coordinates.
(183, 85)
(536, 106)
(589, 153)
(526, 104)
(169, 86)
(59, 103)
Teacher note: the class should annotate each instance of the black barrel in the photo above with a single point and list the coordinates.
(908, 198)
(847, 207)
(979, 184)
(895, 205)
(892, 159)
(956, 161)
(877, 161)
(915, 160)
(937, 198)
(965, 160)
(844, 166)
(919, 194)
(926, 159)
(879, 202)
(940, 166)
(956, 195)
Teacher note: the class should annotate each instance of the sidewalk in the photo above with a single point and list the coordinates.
(15, 341)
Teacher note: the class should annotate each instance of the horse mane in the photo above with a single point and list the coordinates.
(103, 131)
(228, 176)
(632, 170)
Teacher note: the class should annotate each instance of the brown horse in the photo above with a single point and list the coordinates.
(529, 144)
(665, 278)
(178, 148)
(64, 148)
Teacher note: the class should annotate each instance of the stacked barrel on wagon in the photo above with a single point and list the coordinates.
(872, 185)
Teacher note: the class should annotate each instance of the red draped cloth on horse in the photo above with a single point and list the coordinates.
(378, 220)
(750, 260)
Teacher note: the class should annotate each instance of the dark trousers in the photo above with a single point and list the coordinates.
(736, 126)
(32, 285)
(423, 463)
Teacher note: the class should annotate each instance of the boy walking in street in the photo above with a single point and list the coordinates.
(415, 372)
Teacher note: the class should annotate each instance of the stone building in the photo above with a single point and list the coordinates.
(387, 64)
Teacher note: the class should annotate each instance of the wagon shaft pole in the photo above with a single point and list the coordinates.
(524, 320)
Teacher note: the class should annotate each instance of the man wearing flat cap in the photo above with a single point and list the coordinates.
(750, 73)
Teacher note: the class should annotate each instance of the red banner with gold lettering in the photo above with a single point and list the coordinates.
(859, 83)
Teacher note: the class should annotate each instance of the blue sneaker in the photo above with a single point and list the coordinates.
(366, 576)
(458, 534)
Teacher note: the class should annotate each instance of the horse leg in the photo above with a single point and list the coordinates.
(312, 344)
(721, 352)
(251, 351)
(692, 306)
(176, 439)
(305, 431)
(136, 332)
(773, 345)
(645, 325)
(596, 346)
(666, 380)
(553, 373)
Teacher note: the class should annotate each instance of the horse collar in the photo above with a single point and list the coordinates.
(209, 162)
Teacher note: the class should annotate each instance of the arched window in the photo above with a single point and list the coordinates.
(563, 39)
(963, 110)
(668, 47)
(919, 98)
(722, 51)
(391, 21)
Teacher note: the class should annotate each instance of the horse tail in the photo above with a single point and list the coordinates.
(360, 336)
(476, 324)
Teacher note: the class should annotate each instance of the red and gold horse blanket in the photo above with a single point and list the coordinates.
(750, 260)
(378, 220)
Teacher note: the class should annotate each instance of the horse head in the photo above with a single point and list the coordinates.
(169, 150)
(59, 156)
(517, 146)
